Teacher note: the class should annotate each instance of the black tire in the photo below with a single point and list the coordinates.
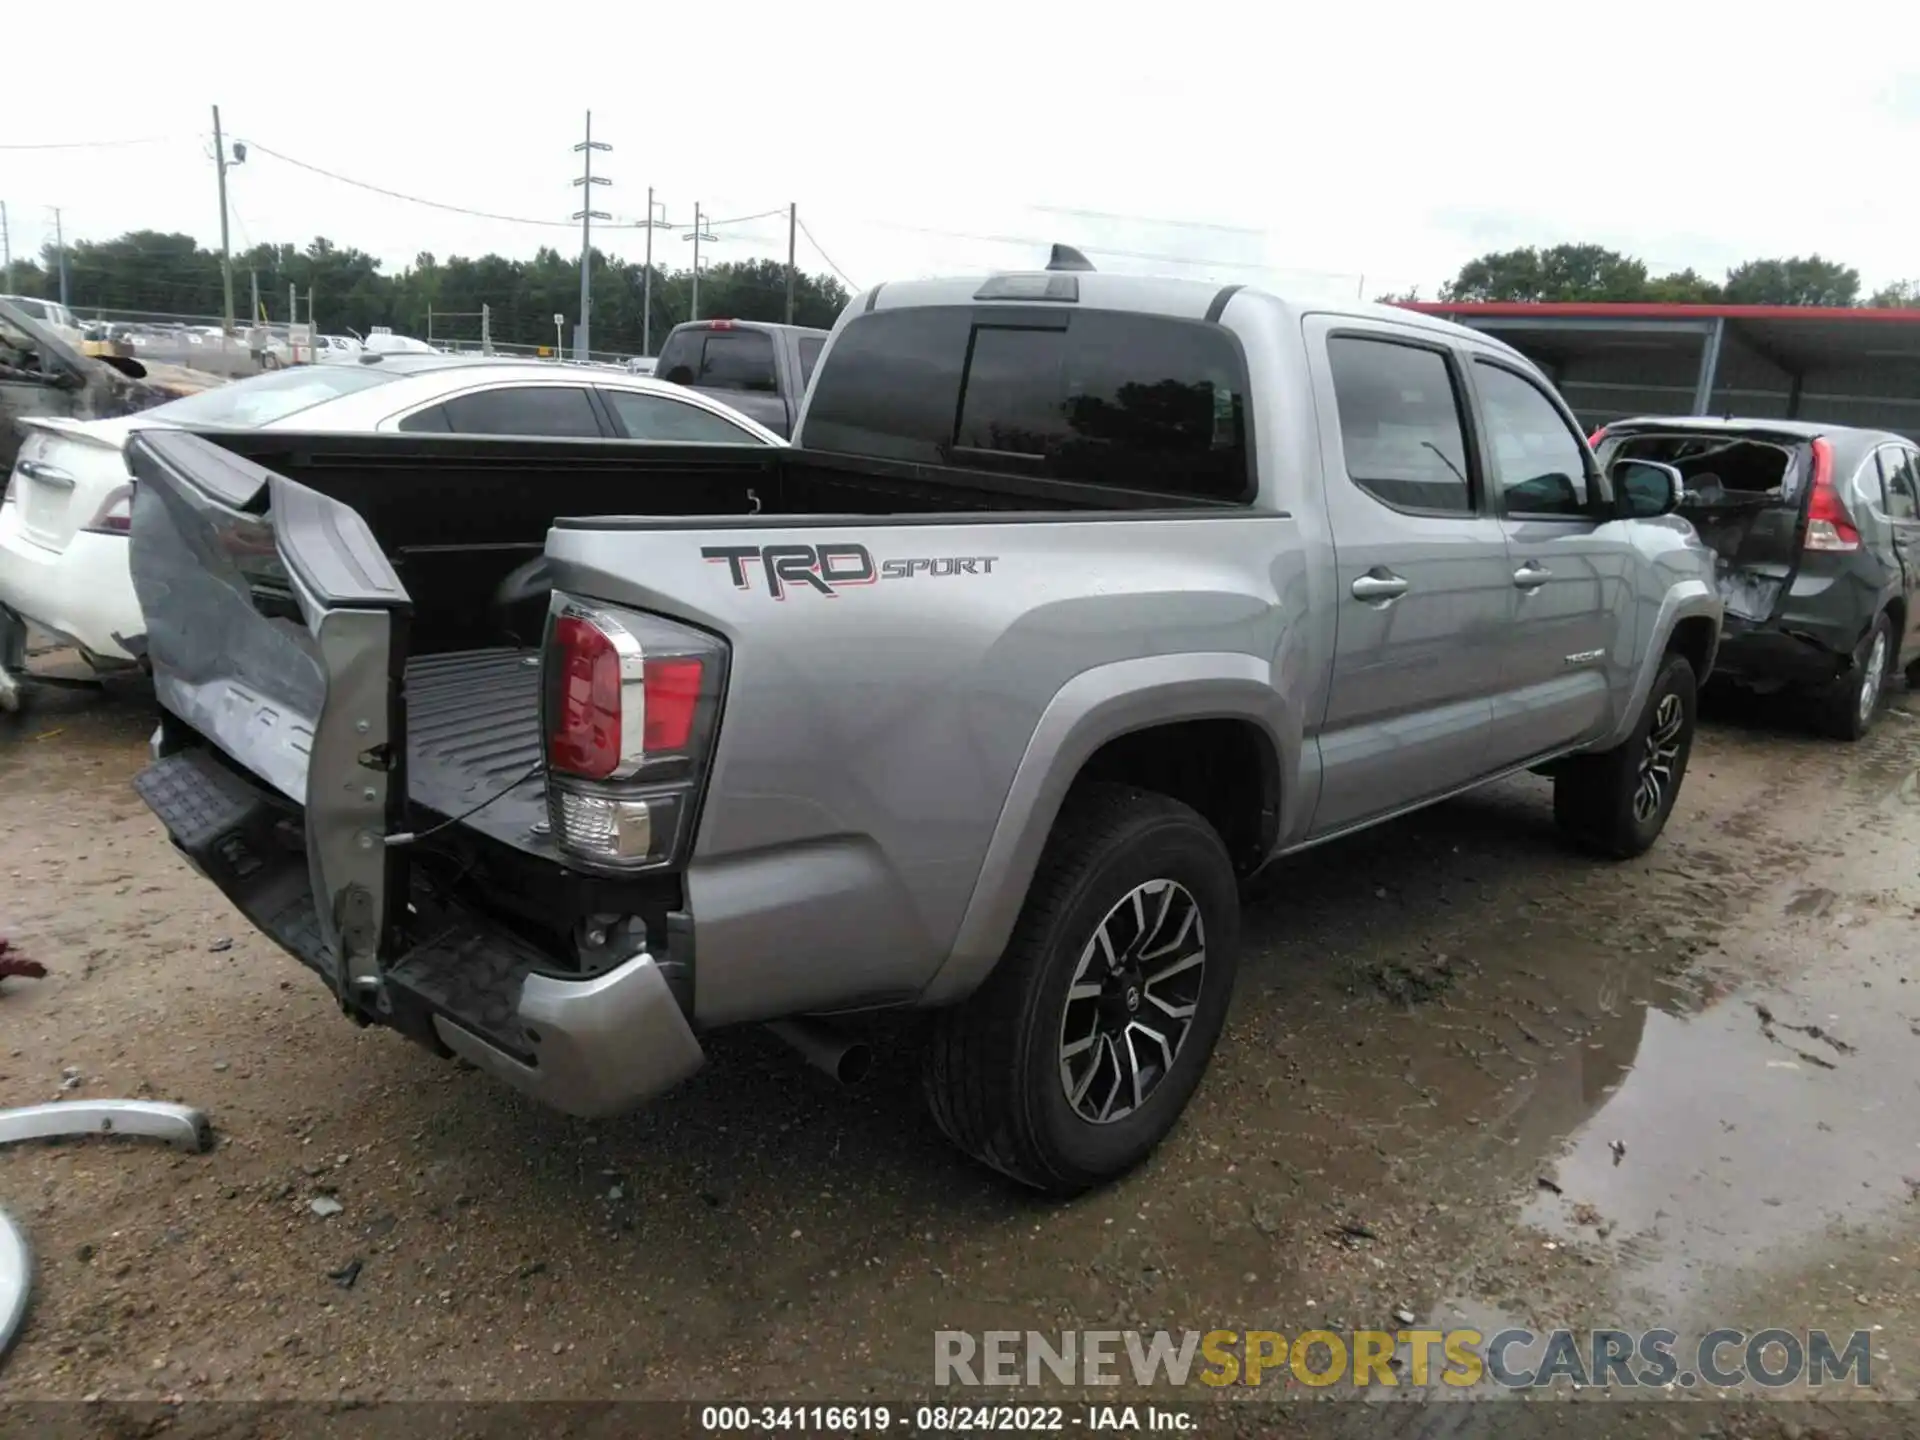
(1597, 799)
(1850, 706)
(994, 1068)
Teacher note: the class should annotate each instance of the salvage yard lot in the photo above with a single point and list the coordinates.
(1431, 1019)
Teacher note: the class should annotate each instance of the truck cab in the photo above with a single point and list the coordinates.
(760, 369)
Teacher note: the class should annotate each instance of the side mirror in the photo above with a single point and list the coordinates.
(1645, 488)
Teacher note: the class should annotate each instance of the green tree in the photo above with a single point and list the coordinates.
(1797, 280)
(1561, 272)
(169, 274)
(1683, 287)
(1900, 295)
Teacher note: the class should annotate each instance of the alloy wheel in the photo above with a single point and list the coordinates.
(1658, 761)
(1132, 1001)
(1873, 677)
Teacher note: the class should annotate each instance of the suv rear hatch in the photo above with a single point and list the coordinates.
(1747, 496)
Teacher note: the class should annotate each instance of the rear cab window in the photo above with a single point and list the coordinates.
(1096, 397)
(720, 357)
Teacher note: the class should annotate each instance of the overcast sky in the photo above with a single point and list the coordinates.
(1356, 147)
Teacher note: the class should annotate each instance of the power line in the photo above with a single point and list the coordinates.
(823, 254)
(742, 219)
(401, 195)
(92, 144)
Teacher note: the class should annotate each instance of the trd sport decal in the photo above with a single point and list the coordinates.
(830, 569)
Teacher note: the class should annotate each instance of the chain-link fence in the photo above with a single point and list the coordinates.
(199, 342)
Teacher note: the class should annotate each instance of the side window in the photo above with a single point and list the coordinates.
(1400, 425)
(659, 417)
(433, 419)
(1537, 461)
(738, 360)
(1900, 477)
(810, 347)
(557, 410)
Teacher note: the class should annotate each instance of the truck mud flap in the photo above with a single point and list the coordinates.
(276, 632)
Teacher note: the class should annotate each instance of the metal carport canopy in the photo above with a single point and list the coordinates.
(1845, 366)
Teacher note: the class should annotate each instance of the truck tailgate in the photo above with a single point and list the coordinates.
(276, 630)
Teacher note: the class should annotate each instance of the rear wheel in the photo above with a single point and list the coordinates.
(1847, 710)
(1081, 1050)
(1616, 803)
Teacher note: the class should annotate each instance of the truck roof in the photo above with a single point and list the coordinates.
(1148, 294)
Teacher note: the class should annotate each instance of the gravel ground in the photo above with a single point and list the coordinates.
(1469, 1075)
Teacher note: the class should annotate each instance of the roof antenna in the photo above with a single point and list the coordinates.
(1065, 257)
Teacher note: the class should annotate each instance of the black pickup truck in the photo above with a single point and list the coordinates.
(761, 370)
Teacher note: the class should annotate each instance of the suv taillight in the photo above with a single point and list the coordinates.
(1593, 440)
(1829, 527)
(115, 515)
(631, 708)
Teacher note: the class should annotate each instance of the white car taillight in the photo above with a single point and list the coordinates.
(115, 515)
(630, 712)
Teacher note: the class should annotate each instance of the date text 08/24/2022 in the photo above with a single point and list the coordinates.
(943, 1419)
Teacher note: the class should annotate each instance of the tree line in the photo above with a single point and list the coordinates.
(1593, 272)
(170, 274)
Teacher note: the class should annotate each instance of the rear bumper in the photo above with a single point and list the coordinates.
(599, 1047)
(82, 594)
(1806, 650)
(466, 984)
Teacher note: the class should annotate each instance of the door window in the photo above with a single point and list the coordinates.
(1900, 478)
(1537, 459)
(1400, 425)
(660, 417)
(551, 410)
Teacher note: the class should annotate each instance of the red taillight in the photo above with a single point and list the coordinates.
(1829, 527)
(719, 324)
(585, 739)
(673, 694)
(632, 703)
(1593, 440)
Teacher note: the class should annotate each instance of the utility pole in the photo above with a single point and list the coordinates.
(586, 215)
(486, 328)
(226, 251)
(697, 234)
(793, 222)
(429, 322)
(646, 278)
(6, 251)
(253, 288)
(293, 305)
(60, 247)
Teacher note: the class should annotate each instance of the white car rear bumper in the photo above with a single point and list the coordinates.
(82, 594)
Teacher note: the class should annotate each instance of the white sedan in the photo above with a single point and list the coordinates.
(68, 506)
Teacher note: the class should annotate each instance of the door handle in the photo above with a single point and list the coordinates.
(1379, 584)
(1531, 576)
(45, 474)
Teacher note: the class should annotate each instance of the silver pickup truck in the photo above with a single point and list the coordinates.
(1080, 599)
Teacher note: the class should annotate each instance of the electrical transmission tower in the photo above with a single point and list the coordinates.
(586, 215)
